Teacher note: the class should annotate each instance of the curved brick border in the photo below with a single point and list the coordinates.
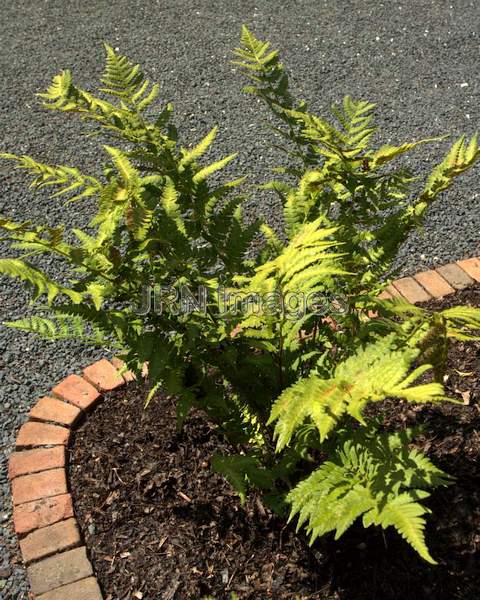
(43, 516)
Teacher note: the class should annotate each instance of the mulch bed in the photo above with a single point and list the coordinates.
(159, 525)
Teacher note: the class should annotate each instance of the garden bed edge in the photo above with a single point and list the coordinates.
(43, 514)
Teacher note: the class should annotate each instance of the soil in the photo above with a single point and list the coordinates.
(159, 525)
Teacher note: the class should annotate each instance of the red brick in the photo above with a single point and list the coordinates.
(41, 434)
(59, 570)
(434, 283)
(85, 589)
(120, 366)
(50, 540)
(471, 266)
(32, 461)
(40, 513)
(103, 375)
(411, 290)
(455, 276)
(385, 295)
(50, 409)
(39, 485)
(393, 292)
(76, 390)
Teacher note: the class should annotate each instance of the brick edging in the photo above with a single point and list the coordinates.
(436, 283)
(50, 542)
(43, 515)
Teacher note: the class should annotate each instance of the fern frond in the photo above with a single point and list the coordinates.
(405, 513)
(169, 202)
(126, 81)
(387, 153)
(129, 174)
(459, 158)
(60, 327)
(304, 260)
(123, 120)
(205, 172)
(461, 320)
(64, 96)
(190, 156)
(372, 475)
(139, 219)
(112, 324)
(41, 284)
(378, 371)
(68, 179)
(355, 118)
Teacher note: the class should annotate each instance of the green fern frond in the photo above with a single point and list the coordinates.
(128, 172)
(190, 156)
(40, 283)
(126, 81)
(114, 325)
(370, 475)
(387, 153)
(169, 202)
(254, 55)
(405, 514)
(68, 179)
(63, 95)
(123, 120)
(378, 371)
(303, 261)
(264, 68)
(139, 219)
(459, 158)
(205, 172)
(355, 118)
(60, 327)
(462, 322)
(14, 226)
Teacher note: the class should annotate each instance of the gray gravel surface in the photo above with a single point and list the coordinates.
(417, 60)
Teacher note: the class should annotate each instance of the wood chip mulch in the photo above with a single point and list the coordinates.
(159, 525)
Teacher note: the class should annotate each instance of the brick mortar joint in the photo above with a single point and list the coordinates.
(92, 378)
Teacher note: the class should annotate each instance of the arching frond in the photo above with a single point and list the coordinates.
(370, 475)
(41, 284)
(68, 179)
(125, 80)
(378, 371)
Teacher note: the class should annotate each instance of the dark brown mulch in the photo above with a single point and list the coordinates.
(159, 525)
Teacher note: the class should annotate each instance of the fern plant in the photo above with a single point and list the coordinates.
(260, 352)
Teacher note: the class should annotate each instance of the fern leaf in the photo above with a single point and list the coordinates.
(68, 179)
(169, 201)
(461, 320)
(64, 96)
(459, 158)
(405, 513)
(199, 150)
(124, 166)
(370, 475)
(202, 174)
(42, 284)
(60, 327)
(372, 374)
(387, 153)
(126, 81)
(58, 92)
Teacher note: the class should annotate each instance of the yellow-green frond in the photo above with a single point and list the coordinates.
(41, 284)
